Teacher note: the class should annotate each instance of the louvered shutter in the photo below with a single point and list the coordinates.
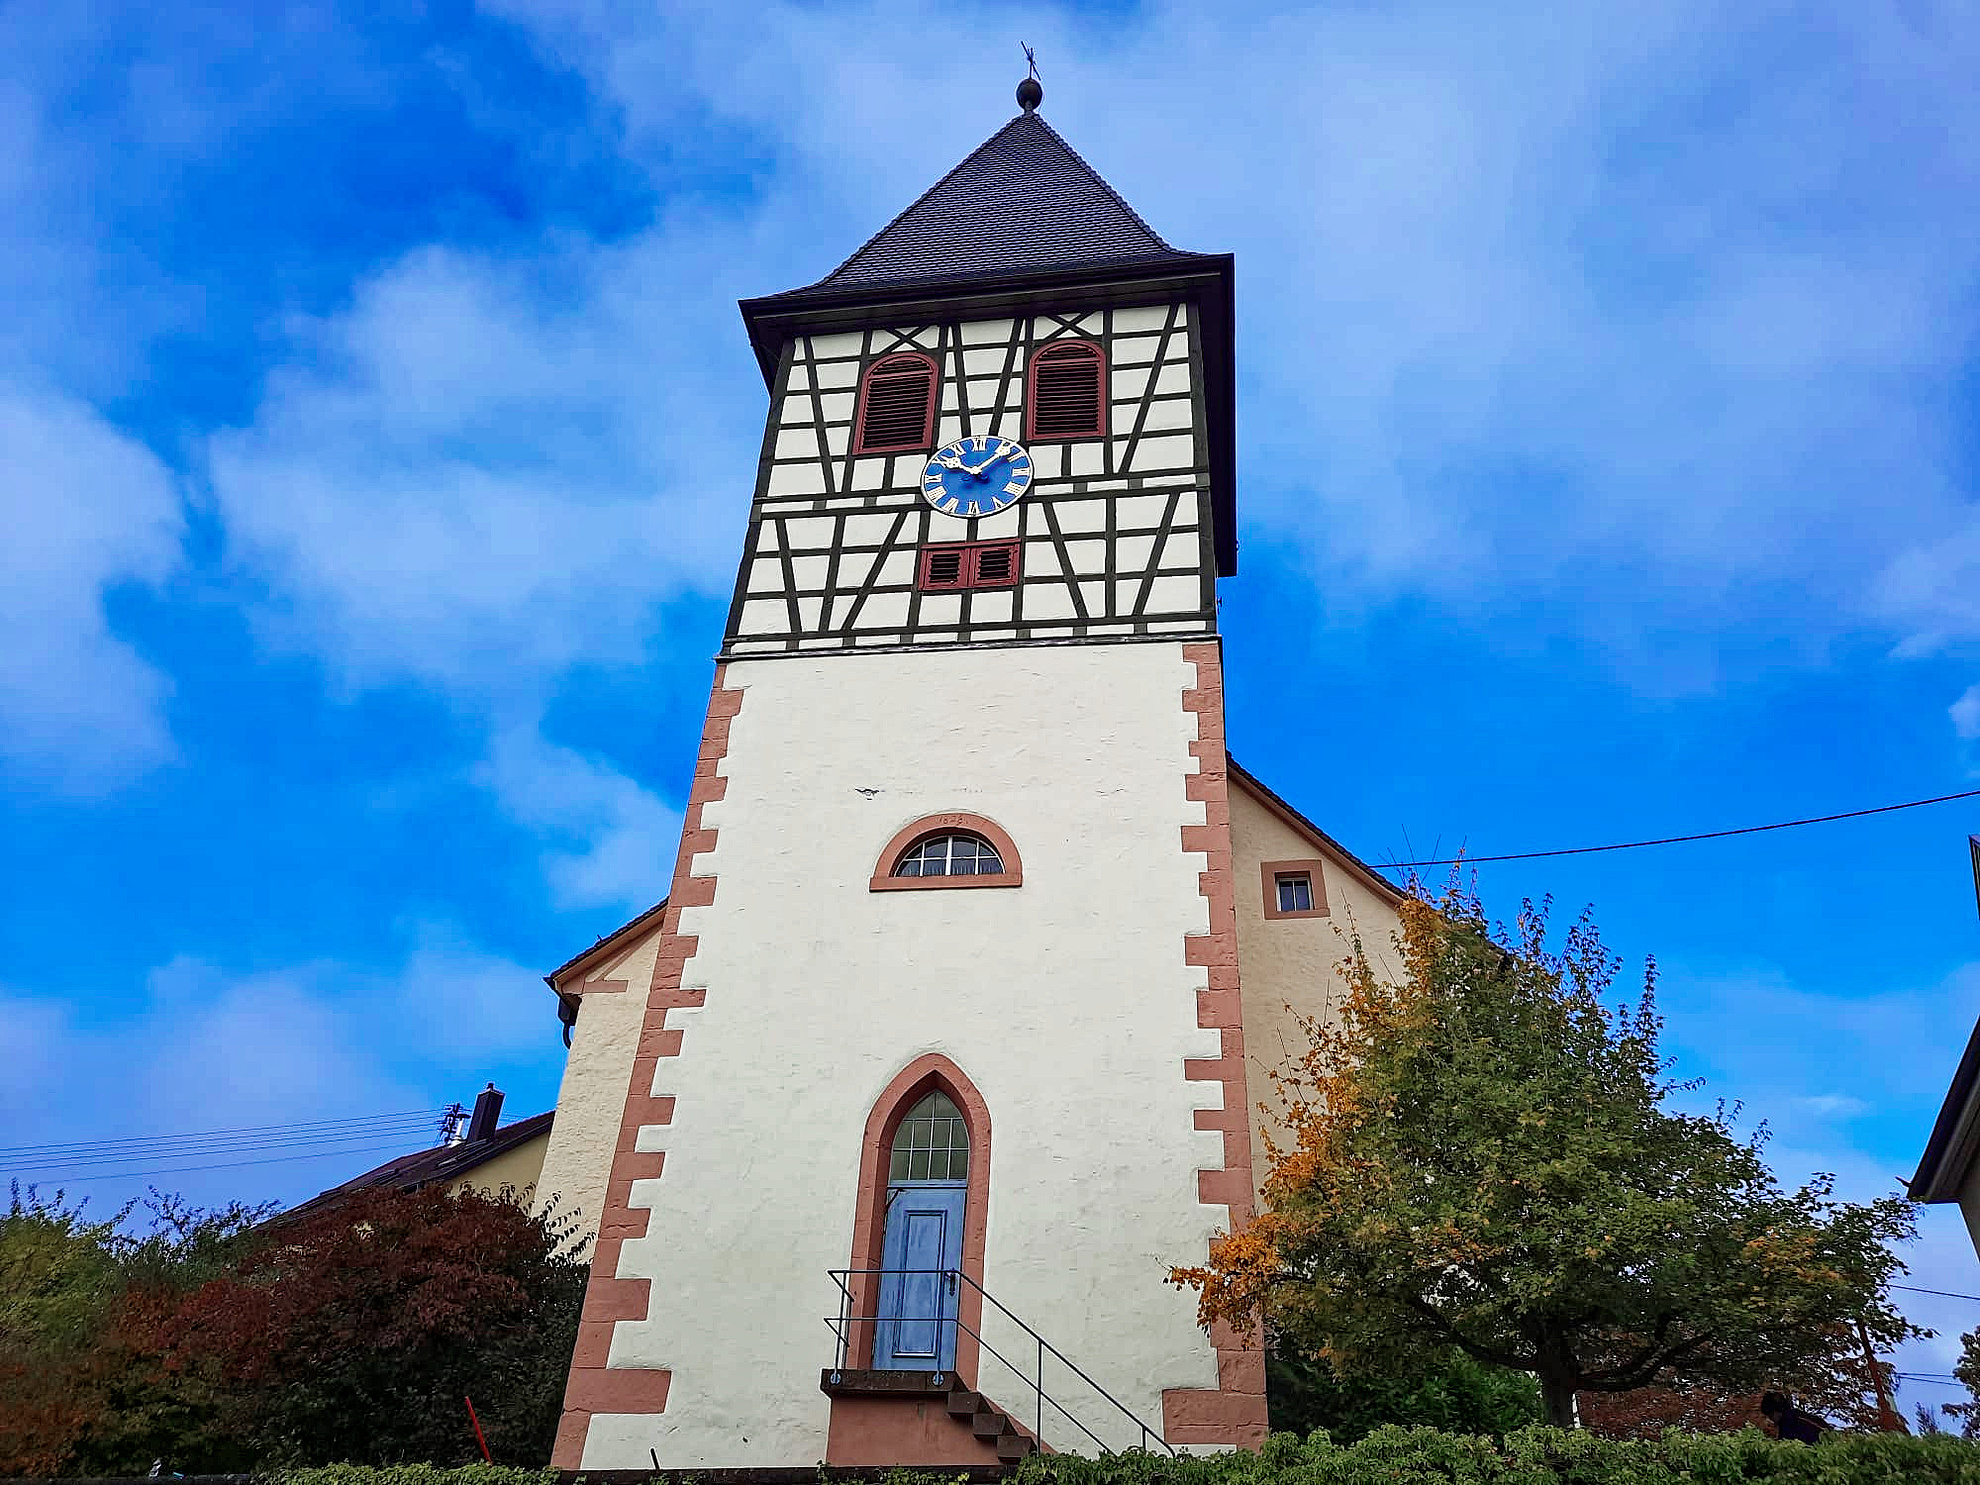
(995, 564)
(896, 404)
(1067, 399)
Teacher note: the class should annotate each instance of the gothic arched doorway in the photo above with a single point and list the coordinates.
(921, 1250)
(919, 1231)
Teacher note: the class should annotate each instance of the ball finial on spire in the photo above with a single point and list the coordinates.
(1030, 92)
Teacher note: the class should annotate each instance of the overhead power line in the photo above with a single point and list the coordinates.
(1942, 1293)
(1678, 840)
(171, 1170)
(397, 1134)
(240, 1129)
(77, 1161)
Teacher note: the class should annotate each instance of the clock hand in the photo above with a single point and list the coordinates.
(953, 461)
(1003, 453)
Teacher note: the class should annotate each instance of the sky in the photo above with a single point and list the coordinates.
(377, 432)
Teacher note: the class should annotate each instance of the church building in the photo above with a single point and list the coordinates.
(952, 1035)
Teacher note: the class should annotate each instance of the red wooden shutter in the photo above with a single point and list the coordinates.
(1068, 391)
(896, 405)
(983, 564)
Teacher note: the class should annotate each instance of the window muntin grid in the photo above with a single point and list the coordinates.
(951, 856)
(932, 1143)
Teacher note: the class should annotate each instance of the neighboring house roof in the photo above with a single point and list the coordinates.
(1022, 202)
(1949, 1153)
(441, 1163)
(1380, 885)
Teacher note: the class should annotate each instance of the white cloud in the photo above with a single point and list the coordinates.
(1525, 307)
(483, 476)
(1529, 323)
(611, 842)
(483, 473)
(86, 509)
(1965, 714)
(207, 1048)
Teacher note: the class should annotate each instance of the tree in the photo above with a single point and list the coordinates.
(79, 1387)
(353, 1333)
(1485, 1157)
(1967, 1371)
(1834, 1382)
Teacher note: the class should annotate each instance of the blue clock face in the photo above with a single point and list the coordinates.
(976, 476)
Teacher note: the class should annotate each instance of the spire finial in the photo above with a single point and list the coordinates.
(1030, 92)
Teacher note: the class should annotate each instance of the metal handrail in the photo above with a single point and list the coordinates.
(841, 1326)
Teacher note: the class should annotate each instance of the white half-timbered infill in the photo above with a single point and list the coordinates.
(1114, 532)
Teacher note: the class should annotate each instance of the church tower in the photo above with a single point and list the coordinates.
(938, 1038)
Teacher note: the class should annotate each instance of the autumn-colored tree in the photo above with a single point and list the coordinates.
(1485, 1157)
(353, 1333)
(80, 1387)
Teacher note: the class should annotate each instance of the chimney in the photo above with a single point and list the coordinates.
(487, 1113)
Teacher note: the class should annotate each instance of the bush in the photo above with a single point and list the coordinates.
(1405, 1456)
(1534, 1456)
(1451, 1392)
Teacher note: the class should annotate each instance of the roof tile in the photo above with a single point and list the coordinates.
(1023, 201)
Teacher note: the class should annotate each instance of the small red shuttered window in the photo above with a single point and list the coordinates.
(896, 405)
(1068, 392)
(981, 564)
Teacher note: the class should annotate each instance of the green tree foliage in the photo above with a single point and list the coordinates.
(1486, 1157)
(1451, 1392)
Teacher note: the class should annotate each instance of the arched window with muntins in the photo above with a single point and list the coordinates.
(932, 1143)
(896, 405)
(1067, 397)
(955, 855)
(958, 849)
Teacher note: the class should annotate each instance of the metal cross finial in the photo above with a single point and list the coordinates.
(1030, 92)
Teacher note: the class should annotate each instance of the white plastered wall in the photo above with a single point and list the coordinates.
(1288, 968)
(578, 1160)
(1066, 1001)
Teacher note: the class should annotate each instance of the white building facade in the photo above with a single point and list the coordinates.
(940, 1037)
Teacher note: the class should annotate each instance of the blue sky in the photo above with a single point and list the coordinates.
(378, 433)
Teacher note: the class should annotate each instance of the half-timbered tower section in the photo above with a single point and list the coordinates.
(1114, 537)
(934, 1061)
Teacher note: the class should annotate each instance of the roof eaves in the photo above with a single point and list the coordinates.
(1369, 877)
(603, 945)
(1950, 1150)
(878, 290)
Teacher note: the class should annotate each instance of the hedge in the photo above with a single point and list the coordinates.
(1408, 1456)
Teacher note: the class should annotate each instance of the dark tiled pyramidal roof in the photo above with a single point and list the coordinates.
(1023, 202)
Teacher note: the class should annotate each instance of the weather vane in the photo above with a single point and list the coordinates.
(1030, 92)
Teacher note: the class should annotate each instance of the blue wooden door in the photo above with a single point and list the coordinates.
(916, 1328)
